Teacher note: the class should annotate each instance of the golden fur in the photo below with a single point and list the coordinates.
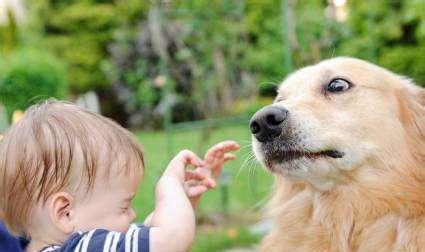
(375, 201)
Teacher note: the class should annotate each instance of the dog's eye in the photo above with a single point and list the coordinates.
(338, 85)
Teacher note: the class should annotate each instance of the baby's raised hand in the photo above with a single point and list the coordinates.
(217, 155)
(175, 175)
(204, 177)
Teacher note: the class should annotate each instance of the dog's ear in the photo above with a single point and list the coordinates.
(416, 96)
(412, 111)
(418, 93)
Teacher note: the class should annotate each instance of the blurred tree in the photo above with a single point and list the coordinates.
(196, 47)
(217, 39)
(28, 76)
(391, 33)
(8, 35)
(265, 50)
(78, 33)
(309, 37)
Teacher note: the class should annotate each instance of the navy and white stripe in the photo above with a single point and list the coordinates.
(136, 239)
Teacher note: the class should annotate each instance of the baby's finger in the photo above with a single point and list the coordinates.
(193, 175)
(218, 149)
(229, 156)
(196, 190)
(209, 183)
(230, 146)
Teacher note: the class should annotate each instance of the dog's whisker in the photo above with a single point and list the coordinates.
(248, 156)
(259, 205)
(245, 147)
(251, 171)
(274, 83)
(245, 141)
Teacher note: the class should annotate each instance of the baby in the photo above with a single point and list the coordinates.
(68, 177)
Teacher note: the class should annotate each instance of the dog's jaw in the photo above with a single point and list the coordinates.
(317, 171)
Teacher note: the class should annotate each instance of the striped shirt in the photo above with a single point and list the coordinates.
(9, 243)
(136, 239)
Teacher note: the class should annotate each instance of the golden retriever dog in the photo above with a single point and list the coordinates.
(346, 142)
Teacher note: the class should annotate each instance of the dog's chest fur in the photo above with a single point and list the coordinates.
(307, 220)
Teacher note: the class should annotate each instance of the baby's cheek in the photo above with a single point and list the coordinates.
(120, 225)
(125, 221)
(132, 215)
(116, 222)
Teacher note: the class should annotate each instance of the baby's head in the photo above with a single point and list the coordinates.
(65, 169)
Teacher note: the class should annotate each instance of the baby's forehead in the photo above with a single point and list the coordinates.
(121, 188)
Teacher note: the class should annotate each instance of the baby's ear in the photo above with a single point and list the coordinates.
(61, 212)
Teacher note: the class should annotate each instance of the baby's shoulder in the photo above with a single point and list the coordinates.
(135, 239)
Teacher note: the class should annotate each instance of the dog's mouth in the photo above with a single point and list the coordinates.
(286, 156)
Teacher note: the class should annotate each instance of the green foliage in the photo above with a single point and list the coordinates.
(91, 17)
(406, 60)
(216, 43)
(212, 46)
(385, 32)
(83, 58)
(265, 52)
(249, 107)
(391, 34)
(30, 76)
(8, 34)
(78, 33)
(146, 95)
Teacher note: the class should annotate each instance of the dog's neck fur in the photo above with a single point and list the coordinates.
(349, 217)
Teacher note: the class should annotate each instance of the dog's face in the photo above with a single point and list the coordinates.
(330, 119)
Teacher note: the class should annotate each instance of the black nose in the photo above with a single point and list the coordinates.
(268, 122)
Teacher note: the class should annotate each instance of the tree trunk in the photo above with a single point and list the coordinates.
(223, 85)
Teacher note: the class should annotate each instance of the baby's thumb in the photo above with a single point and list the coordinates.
(187, 157)
(180, 161)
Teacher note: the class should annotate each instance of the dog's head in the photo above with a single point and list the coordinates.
(330, 119)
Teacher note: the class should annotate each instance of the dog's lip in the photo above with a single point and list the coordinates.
(290, 155)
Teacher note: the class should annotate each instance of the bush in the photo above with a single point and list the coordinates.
(405, 60)
(28, 76)
(250, 107)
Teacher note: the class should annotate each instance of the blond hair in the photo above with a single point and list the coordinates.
(54, 142)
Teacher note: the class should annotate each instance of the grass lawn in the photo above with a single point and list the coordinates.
(220, 225)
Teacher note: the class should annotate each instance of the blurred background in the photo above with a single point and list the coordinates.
(189, 73)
